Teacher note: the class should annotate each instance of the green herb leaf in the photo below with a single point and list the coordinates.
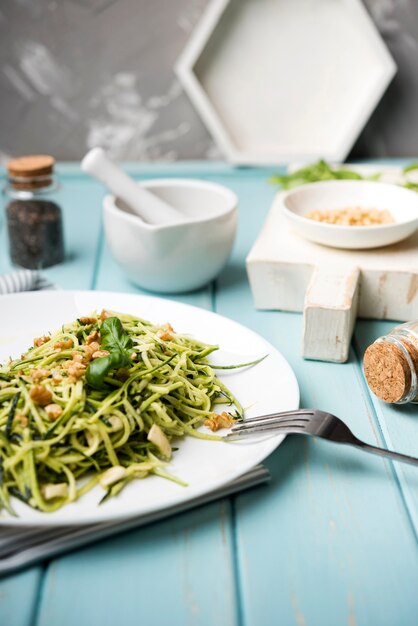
(100, 368)
(117, 341)
(113, 336)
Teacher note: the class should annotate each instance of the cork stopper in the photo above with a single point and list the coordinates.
(31, 172)
(387, 371)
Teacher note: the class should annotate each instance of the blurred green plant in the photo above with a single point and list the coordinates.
(321, 170)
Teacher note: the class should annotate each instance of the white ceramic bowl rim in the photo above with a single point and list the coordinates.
(346, 183)
(231, 201)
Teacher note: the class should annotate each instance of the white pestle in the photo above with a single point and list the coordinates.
(146, 205)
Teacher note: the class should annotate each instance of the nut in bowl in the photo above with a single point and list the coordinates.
(352, 214)
(178, 257)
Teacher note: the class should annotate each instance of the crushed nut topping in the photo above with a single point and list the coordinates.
(89, 350)
(65, 344)
(87, 320)
(21, 419)
(56, 377)
(352, 216)
(38, 374)
(218, 421)
(93, 337)
(100, 353)
(104, 315)
(166, 333)
(75, 370)
(78, 357)
(39, 341)
(54, 411)
(40, 395)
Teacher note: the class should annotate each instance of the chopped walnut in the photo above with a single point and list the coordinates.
(40, 395)
(65, 344)
(218, 421)
(54, 411)
(38, 374)
(100, 353)
(87, 320)
(93, 337)
(94, 346)
(76, 370)
(104, 315)
(56, 377)
(21, 419)
(39, 341)
(166, 333)
(78, 357)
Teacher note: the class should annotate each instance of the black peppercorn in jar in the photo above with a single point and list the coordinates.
(34, 219)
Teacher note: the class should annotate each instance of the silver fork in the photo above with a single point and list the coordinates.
(310, 422)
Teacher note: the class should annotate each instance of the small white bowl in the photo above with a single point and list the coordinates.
(179, 257)
(339, 194)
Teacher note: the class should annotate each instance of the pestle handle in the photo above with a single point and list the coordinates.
(145, 204)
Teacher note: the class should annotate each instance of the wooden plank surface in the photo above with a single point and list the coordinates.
(179, 571)
(327, 544)
(332, 541)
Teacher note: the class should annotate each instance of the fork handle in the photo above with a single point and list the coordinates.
(395, 456)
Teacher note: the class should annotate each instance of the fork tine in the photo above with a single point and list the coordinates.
(269, 421)
(269, 427)
(288, 421)
(297, 412)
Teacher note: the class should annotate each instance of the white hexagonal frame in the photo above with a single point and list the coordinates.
(283, 80)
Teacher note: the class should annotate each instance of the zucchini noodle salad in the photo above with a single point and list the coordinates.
(101, 400)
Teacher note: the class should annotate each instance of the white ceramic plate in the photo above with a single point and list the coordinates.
(338, 194)
(277, 80)
(204, 465)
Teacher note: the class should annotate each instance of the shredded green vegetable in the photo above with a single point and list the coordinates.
(101, 401)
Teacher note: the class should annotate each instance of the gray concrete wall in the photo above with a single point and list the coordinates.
(77, 73)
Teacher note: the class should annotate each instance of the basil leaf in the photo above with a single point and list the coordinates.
(116, 340)
(114, 336)
(100, 368)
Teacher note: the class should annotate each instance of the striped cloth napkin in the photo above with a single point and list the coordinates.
(23, 280)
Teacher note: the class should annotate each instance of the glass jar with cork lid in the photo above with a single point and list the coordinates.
(391, 365)
(34, 218)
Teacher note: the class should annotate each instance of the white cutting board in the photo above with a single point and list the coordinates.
(331, 286)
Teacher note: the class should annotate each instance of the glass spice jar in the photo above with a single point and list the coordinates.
(391, 365)
(34, 219)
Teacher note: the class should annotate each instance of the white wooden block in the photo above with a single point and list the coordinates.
(329, 314)
(280, 267)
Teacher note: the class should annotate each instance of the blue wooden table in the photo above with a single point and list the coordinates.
(332, 540)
